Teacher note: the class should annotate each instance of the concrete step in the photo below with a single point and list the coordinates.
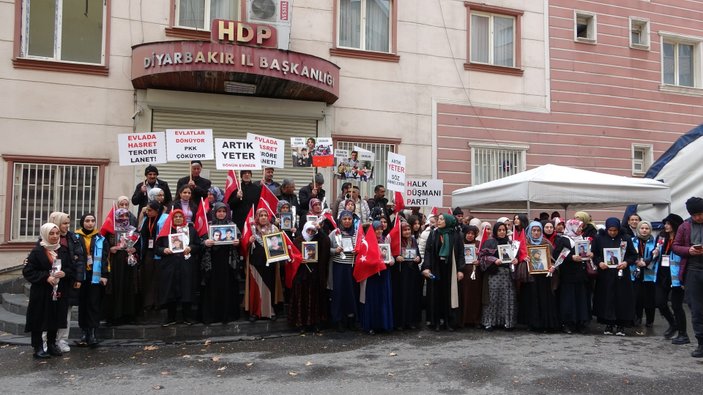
(17, 303)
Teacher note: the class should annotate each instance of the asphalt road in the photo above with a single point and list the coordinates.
(467, 361)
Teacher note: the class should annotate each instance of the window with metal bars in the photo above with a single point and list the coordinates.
(380, 162)
(41, 188)
(490, 162)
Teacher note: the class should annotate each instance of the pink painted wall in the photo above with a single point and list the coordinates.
(604, 97)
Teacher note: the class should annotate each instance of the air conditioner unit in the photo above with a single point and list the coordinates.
(268, 11)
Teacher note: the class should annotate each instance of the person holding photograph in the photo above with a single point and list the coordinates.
(345, 291)
(284, 207)
(406, 281)
(443, 266)
(668, 284)
(149, 278)
(613, 299)
(471, 288)
(176, 270)
(264, 287)
(538, 303)
(121, 290)
(219, 296)
(308, 296)
(48, 304)
(376, 312)
(500, 309)
(574, 304)
(644, 273)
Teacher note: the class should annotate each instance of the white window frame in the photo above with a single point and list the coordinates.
(643, 25)
(646, 161)
(491, 37)
(362, 27)
(64, 181)
(207, 21)
(676, 39)
(515, 149)
(381, 150)
(24, 43)
(592, 29)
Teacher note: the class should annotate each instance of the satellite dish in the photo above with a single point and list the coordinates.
(263, 9)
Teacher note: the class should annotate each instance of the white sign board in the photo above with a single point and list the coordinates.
(395, 180)
(141, 148)
(234, 154)
(341, 153)
(272, 150)
(189, 144)
(364, 155)
(424, 193)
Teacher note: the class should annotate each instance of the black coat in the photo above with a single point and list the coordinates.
(202, 185)
(177, 273)
(240, 207)
(304, 196)
(613, 299)
(141, 199)
(44, 314)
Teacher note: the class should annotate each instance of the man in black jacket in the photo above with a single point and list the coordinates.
(199, 185)
(310, 191)
(140, 197)
(243, 198)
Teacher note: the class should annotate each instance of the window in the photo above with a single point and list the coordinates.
(64, 31)
(490, 162)
(198, 14)
(678, 62)
(641, 158)
(380, 150)
(365, 25)
(41, 187)
(639, 33)
(494, 39)
(585, 27)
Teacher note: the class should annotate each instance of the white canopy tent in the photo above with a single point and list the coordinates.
(552, 186)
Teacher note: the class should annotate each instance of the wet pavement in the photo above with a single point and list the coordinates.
(411, 362)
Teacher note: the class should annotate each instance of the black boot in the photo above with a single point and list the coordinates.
(682, 338)
(92, 339)
(698, 352)
(84, 339)
(53, 349)
(39, 353)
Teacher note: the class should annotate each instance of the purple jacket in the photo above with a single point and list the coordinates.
(682, 242)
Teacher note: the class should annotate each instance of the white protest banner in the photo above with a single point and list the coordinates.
(272, 150)
(141, 148)
(364, 155)
(341, 153)
(395, 180)
(424, 193)
(234, 154)
(189, 144)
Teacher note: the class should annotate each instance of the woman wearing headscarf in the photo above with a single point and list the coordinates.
(501, 307)
(308, 303)
(644, 273)
(71, 253)
(220, 292)
(154, 195)
(589, 230)
(376, 313)
(185, 203)
(176, 269)
(471, 288)
(443, 266)
(124, 202)
(149, 278)
(549, 232)
(48, 305)
(345, 292)
(406, 281)
(93, 282)
(283, 207)
(264, 288)
(121, 290)
(613, 299)
(538, 304)
(669, 283)
(574, 311)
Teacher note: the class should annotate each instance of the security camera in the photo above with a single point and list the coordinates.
(139, 111)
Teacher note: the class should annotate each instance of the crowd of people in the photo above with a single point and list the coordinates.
(445, 271)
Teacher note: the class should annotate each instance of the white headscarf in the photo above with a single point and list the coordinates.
(44, 233)
(151, 195)
(307, 226)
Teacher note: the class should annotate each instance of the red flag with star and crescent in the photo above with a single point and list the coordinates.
(268, 201)
(246, 233)
(395, 236)
(231, 185)
(368, 256)
(109, 223)
(296, 258)
(201, 218)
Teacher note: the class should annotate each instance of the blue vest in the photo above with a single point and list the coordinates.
(650, 275)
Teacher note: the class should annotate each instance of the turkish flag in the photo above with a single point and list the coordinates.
(231, 185)
(399, 202)
(368, 258)
(268, 201)
(296, 258)
(201, 217)
(395, 237)
(246, 233)
(166, 229)
(484, 236)
(109, 223)
(434, 211)
(330, 218)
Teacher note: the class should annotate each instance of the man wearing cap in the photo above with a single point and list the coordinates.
(244, 198)
(140, 195)
(312, 190)
(199, 185)
(268, 181)
(688, 244)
